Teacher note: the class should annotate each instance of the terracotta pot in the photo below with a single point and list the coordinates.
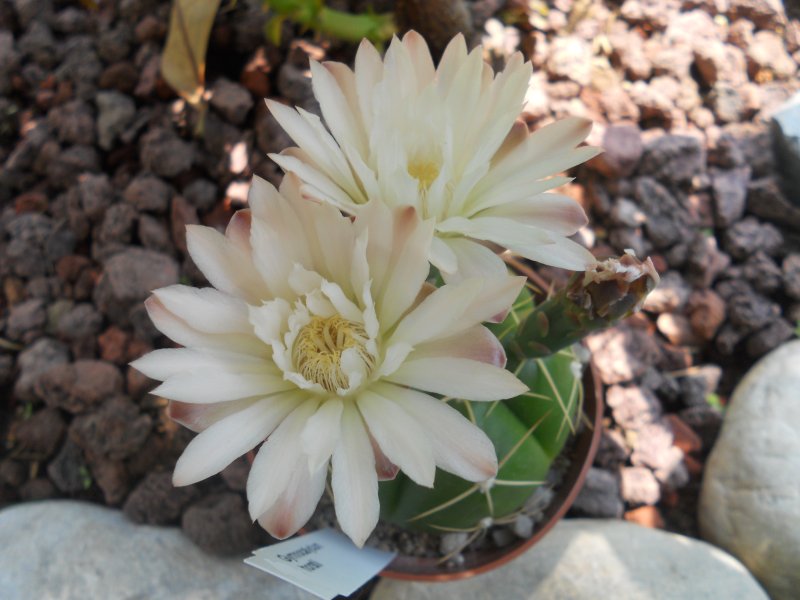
(582, 455)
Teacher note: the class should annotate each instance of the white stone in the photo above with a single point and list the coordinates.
(586, 559)
(786, 135)
(750, 501)
(65, 549)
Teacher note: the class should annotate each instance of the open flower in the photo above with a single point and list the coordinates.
(446, 141)
(321, 337)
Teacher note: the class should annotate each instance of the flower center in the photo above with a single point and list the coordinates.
(317, 351)
(425, 171)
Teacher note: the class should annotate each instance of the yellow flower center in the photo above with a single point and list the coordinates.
(425, 171)
(317, 351)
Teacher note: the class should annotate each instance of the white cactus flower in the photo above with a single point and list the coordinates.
(321, 337)
(448, 142)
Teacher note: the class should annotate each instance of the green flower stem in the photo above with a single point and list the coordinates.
(605, 294)
(334, 23)
(353, 28)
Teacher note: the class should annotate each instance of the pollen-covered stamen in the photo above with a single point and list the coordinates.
(425, 171)
(317, 351)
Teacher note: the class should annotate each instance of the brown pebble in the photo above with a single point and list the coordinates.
(684, 436)
(677, 329)
(706, 313)
(113, 344)
(30, 202)
(646, 516)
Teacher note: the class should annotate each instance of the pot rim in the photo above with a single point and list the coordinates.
(583, 453)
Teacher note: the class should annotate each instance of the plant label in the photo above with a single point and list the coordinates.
(325, 563)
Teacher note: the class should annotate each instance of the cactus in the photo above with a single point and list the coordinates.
(606, 293)
(529, 431)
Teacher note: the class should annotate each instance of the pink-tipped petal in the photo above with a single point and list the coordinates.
(238, 230)
(410, 267)
(206, 309)
(476, 343)
(399, 437)
(553, 212)
(199, 417)
(295, 506)
(181, 332)
(224, 264)
(277, 458)
(438, 315)
(226, 440)
(459, 447)
(384, 468)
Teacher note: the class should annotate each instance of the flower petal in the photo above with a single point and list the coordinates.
(218, 386)
(166, 362)
(296, 504)
(336, 110)
(309, 134)
(198, 417)
(384, 468)
(409, 270)
(420, 57)
(270, 319)
(553, 212)
(293, 160)
(226, 440)
(563, 253)
(354, 480)
(438, 314)
(473, 259)
(369, 70)
(505, 232)
(206, 309)
(495, 298)
(277, 459)
(442, 256)
(475, 343)
(399, 437)
(321, 432)
(225, 266)
(459, 378)
(459, 447)
(181, 332)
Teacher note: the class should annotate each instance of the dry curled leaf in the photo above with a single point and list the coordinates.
(183, 63)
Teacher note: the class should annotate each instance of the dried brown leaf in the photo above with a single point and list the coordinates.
(183, 63)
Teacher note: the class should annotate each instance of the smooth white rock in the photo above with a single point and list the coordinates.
(64, 549)
(587, 559)
(786, 136)
(750, 500)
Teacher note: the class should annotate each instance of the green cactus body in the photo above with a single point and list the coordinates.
(528, 432)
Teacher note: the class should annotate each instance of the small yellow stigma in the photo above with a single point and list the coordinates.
(317, 351)
(425, 171)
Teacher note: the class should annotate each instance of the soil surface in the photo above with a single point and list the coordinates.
(101, 173)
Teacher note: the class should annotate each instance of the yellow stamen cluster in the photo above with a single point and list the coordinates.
(424, 171)
(317, 351)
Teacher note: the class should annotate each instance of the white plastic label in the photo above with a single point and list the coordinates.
(325, 563)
